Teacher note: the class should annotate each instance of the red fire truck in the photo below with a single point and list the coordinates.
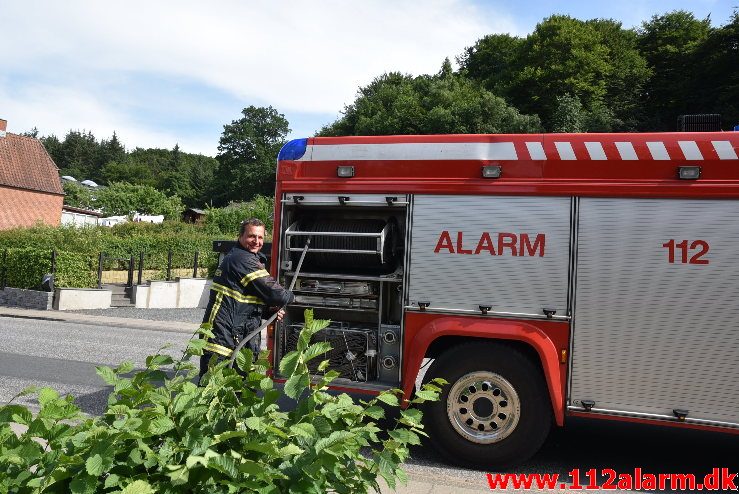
(542, 276)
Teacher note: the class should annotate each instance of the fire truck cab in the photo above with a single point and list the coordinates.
(541, 275)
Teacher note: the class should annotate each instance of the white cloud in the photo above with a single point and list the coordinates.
(300, 57)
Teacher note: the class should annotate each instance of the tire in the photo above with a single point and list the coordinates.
(495, 412)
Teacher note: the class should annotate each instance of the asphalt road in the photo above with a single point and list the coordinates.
(64, 355)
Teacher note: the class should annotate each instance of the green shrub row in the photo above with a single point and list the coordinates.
(25, 268)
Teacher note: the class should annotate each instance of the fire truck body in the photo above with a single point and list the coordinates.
(590, 274)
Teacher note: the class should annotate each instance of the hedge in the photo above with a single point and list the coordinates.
(25, 268)
(122, 242)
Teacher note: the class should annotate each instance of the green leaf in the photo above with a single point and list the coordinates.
(334, 438)
(266, 384)
(426, 395)
(178, 474)
(289, 363)
(254, 423)
(83, 485)
(46, 396)
(138, 487)
(94, 465)
(244, 359)
(15, 413)
(224, 464)
(388, 398)
(112, 480)
(405, 436)
(315, 350)
(107, 374)
(374, 412)
(155, 361)
(161, 425)
(290, 450)
(296, 385)
(411, 416)
(303, 429)
(124, 368)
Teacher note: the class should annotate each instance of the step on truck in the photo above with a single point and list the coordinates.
(543, 276)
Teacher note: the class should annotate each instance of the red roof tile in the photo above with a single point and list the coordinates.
(25, 164)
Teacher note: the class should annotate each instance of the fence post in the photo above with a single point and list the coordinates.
(195, 265)
(100, 269)
(141, 266)
(130, 272)
(4, 279)
(169, 265)
(53, 262)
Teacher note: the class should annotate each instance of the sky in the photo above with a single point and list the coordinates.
(166, 72)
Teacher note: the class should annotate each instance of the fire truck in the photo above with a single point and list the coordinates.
(542, 276)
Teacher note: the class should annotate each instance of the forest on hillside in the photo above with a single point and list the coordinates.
(568, 75)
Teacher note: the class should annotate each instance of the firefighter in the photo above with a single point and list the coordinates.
(242, 289)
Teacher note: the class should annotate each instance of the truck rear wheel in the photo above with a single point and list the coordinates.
(494, 412)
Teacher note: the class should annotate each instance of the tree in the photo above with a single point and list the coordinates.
(125, 199)
(247, 154)
(78, 196)
(568, 116)
(671, 43)
(31, 133)
(597, 62)
(446, 103)
(79, 153)
(493, 60)
(111, 150)
(129, 171)
(715, 85)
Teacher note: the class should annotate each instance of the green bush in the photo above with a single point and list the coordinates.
(227, 220)
(25, 267)
(162, 433)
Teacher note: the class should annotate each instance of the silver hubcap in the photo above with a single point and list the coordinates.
(483, 407)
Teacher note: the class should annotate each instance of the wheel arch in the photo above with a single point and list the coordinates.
(427, 336)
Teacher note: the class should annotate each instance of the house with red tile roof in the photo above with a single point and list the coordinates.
(30, 189)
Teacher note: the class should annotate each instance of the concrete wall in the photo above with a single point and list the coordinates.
(28, 299)
(20, 207)
(163, 294)
(82, 298)
(183, 293)
(193, 292)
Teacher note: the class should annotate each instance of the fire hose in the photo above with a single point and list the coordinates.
(274, 316)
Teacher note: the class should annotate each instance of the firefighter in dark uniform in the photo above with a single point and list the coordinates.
(242, 290)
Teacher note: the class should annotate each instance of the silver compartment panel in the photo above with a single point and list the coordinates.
(511, 284)
(650, 336)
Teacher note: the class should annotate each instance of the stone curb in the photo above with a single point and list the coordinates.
(120, 322)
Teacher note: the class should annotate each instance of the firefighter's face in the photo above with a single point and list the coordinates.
(253, 238)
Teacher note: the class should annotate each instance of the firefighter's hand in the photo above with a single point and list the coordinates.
(280, 314)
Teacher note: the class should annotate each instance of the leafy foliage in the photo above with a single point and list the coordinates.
(247, 153)
(596, 62)
(442, 104)
(124, 199)
(229, 218)
(162, 433)
(25, 267)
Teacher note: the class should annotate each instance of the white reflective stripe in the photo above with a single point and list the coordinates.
(658, 150)
(626, 150)
(595, 149)
(412, 151)
(725, 150)
(565, 151)
(690, 150)
(536, 150)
